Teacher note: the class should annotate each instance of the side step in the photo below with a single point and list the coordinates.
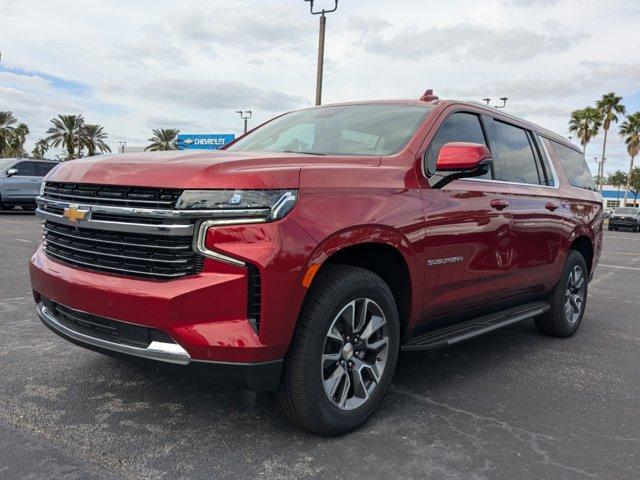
(449, 335)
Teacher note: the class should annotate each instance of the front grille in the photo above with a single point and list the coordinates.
(113, 195)
(105, 328)
(137, 254)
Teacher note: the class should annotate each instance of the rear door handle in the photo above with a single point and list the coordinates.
(551, 206)
(499, 203)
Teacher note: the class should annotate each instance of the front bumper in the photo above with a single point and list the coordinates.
(263, 376)
(624, 223)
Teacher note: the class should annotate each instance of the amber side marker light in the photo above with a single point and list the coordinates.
(311, 272)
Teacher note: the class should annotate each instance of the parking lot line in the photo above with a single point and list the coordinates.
(623, 238)
(23, 240)
(621, 253)
(617, 266)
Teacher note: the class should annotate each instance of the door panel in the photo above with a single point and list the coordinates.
(537, 236)
(468, 246)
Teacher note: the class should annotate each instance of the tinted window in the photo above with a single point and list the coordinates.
(517, 161)
(27, 169)
(626, 211)
(545, 164)
(575, 167)
(458, 127)
(381, 129)
(44, 168)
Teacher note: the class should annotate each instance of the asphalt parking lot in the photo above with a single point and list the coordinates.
(511, 405)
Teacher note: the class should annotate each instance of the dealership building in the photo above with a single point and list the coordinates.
(612, 197)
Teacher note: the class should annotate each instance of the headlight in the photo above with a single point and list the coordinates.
(267, 205)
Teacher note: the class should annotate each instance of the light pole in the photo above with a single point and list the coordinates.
(323, 24)
(600, 170)
(122, 145)
(244, 115)
(504, 102)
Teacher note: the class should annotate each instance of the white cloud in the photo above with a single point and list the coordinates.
(191, 64)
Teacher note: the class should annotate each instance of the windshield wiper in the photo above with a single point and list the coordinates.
(304, 153)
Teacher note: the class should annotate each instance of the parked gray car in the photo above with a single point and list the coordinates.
(20, 181)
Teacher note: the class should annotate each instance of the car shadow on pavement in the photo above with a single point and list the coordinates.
(211, 403)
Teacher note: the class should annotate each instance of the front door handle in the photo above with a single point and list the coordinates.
(499, 203)
(551, 206)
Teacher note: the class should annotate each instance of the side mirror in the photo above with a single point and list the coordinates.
(11, 172)
(460, 160)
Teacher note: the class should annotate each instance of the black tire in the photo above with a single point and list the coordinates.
(558, 322)
(302, 397)
(610, 228)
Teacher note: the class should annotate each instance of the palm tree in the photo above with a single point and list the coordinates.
(618, 179)
(17, 138)
(6, 128)
(40, 148)
(630, 131)
(585, 123)
(163, 139)
(66, 132)
(609, 107)
(93, 137)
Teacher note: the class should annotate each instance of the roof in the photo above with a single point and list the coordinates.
(442, 104)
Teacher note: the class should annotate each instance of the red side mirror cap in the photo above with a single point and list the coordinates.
(462, 156)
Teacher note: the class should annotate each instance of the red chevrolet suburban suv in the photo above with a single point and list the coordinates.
(304, 256)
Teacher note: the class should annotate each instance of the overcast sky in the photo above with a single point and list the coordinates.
(136, 65)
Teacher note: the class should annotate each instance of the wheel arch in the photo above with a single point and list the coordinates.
(381, 250)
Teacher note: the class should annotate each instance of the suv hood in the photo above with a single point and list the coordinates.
(188, 169)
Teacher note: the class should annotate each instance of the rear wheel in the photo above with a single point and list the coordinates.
(343, 354)
(568, 299)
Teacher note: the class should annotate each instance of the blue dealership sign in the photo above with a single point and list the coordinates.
(209, 141)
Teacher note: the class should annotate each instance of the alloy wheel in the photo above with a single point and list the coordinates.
(575, 294)
(355, 353)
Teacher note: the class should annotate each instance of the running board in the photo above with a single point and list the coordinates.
(452, 334)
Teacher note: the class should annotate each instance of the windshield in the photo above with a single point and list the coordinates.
(627, 211)
(374, 129)
(4, 163)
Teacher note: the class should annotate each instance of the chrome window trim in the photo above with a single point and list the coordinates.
(162, 351)
(199, 241)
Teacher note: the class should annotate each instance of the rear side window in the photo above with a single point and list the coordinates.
(458, 127)
(575, 167)
(43, 168)
(515, 152)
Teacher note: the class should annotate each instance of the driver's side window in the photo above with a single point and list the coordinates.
(458, 127)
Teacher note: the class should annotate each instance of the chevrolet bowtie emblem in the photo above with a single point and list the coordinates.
(73, 213)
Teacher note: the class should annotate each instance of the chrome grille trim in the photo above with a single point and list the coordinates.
(155, 229)
(158, 213)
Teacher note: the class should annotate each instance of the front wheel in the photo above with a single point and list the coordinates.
(568, 299)
(343, 354)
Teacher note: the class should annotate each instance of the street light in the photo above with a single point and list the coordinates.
(244, 115)
(600, 170)
(122, 145)
(504, 102)
(323, 24)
